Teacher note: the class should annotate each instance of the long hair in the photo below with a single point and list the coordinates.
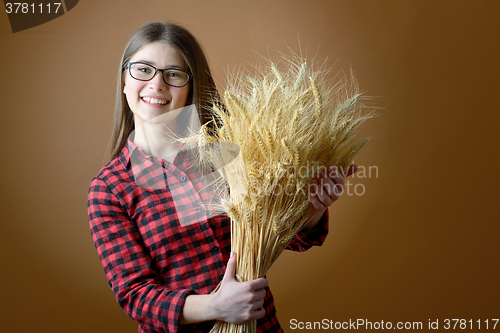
(203, 92)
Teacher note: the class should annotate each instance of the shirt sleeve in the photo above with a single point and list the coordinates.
(128, 266)
(306, 239)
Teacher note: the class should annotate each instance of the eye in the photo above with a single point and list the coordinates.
(144, 69)
(174, 74)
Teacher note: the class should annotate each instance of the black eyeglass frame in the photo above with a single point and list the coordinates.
(129, 65)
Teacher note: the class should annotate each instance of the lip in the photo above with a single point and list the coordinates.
(156, 97)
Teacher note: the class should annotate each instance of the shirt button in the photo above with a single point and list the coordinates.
(215, 249)
(183, 178)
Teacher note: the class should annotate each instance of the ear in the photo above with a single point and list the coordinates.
(123, 84)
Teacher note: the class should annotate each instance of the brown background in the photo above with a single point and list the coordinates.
(421, 243)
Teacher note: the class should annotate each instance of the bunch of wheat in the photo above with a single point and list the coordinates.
(289, 125)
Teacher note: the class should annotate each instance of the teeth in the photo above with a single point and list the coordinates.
(154, 100)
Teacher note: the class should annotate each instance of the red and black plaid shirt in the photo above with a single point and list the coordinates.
(153, 260)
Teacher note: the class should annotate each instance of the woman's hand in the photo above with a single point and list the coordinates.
(327, 190)
(237, 302)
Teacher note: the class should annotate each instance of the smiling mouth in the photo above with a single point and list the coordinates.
(155, 101)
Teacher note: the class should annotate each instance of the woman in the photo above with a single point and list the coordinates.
(162, 263)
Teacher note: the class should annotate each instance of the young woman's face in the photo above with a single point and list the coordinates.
(140, 93)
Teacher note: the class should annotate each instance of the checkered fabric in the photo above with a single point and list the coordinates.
(152, 259)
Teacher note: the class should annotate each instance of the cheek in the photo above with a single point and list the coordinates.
(181, 96)
(131, 87)
(131, 91)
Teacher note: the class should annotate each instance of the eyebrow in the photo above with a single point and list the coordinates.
(153, 64)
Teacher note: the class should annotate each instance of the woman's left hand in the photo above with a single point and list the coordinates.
(328, 189)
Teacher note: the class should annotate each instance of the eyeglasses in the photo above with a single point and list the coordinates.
(171, 76)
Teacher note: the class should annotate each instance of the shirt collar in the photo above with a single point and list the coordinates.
(132, 150)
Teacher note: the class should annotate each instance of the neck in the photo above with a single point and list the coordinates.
(158, 137)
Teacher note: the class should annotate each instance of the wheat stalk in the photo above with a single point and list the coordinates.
(288, 124)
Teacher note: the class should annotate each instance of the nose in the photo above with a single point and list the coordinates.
(157, 83)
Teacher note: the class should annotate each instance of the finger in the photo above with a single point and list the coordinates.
(257, 305)
(313, 187)
(257, 314)
(338, 180)
(324, 194)
(260, 294)
(316, 202)
(351, 170)
(327, 185)
(257, 284)
(230, 268)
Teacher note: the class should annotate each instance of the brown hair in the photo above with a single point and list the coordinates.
(202, 88)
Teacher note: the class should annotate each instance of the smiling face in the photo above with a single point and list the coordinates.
(149, 99)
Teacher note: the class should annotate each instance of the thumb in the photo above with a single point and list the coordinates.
(230, 268)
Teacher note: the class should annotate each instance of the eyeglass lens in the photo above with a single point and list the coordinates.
(145, 72)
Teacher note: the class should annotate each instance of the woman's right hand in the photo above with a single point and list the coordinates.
(237, 302)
